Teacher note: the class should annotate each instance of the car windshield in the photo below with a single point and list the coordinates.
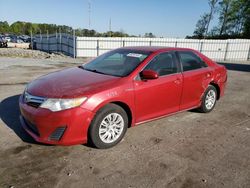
(119, 62)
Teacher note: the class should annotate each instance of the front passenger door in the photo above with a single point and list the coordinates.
(161, 96)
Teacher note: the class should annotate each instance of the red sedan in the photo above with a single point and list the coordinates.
(98, 101)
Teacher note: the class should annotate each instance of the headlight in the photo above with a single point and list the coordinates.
(62, 104)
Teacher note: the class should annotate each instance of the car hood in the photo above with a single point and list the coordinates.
(70, 83)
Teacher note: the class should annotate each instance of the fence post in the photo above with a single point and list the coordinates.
(97, 47)
(201, 45)
(60, 39)
(41, 41)
(248, 56)
(150, 43)
(31, 39)
(176, 43)
(123, 43)
(74, 43)
(48, 45)
(225, 56)
(68, 53)
(56, 42)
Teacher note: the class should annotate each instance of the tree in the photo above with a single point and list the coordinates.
(201, 26)
(27, 28)
(149, 35)
(224, 11)
(17, 28)
(37, 28)
(241, 15)
(4, 27)
(212, 5)
(246, 25)
(214, 31)
(203, 23)
(234, 20)
(234, 16)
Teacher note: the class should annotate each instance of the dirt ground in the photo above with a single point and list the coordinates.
(189, 149)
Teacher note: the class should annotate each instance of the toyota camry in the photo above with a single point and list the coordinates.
(97, 101)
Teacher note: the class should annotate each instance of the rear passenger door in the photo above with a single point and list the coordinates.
(195, 74)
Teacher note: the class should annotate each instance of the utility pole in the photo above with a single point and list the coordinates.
(110, 27)
(110, 24)
(89, 11)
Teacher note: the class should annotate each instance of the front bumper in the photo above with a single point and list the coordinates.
(65, 127)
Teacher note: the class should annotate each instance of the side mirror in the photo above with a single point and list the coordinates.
(149, 75)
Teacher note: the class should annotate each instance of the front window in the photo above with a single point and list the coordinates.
(119, 62)
(163, 64)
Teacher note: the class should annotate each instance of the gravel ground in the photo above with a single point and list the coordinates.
(28, 53)
(189, 149)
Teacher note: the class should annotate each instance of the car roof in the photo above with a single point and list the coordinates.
(153, 48)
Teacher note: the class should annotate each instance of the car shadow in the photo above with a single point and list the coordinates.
(236, 67)
(9, 113)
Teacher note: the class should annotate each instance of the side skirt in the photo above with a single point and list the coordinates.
(160, 117)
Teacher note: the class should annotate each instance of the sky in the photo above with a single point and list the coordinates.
(164, 18)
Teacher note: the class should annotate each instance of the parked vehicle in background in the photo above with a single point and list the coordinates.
(98, 101)
(3, 42)
(7, 38)
(25, 38)
(19, 40)
(15, 39)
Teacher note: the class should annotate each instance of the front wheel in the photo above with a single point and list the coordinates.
(208, 100)
(108, 127)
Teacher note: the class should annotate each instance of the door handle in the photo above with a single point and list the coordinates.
(208, 75)
(177, 81)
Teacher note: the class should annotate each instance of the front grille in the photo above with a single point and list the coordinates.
(57, 134)
(32, 100)
(31, 127)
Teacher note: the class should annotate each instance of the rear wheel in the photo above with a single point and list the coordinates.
(208, 100)
(108, 127)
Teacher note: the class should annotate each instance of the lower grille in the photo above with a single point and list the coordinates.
(57, 134)
(31, 127)
(34, 104)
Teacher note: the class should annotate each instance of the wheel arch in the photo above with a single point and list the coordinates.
(127, 110)
(217, 89)
(123, 105)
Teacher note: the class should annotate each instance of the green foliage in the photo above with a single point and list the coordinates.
(4, 27)
(233, 20)
(246, 23)
(201, 26)
(27, 28)
(149, 35)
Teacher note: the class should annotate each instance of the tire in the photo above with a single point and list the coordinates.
(108, 126)
(208, 100)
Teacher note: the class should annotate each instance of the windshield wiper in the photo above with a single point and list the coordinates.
(91, 70)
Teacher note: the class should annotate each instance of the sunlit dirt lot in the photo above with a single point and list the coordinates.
(189, 149)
